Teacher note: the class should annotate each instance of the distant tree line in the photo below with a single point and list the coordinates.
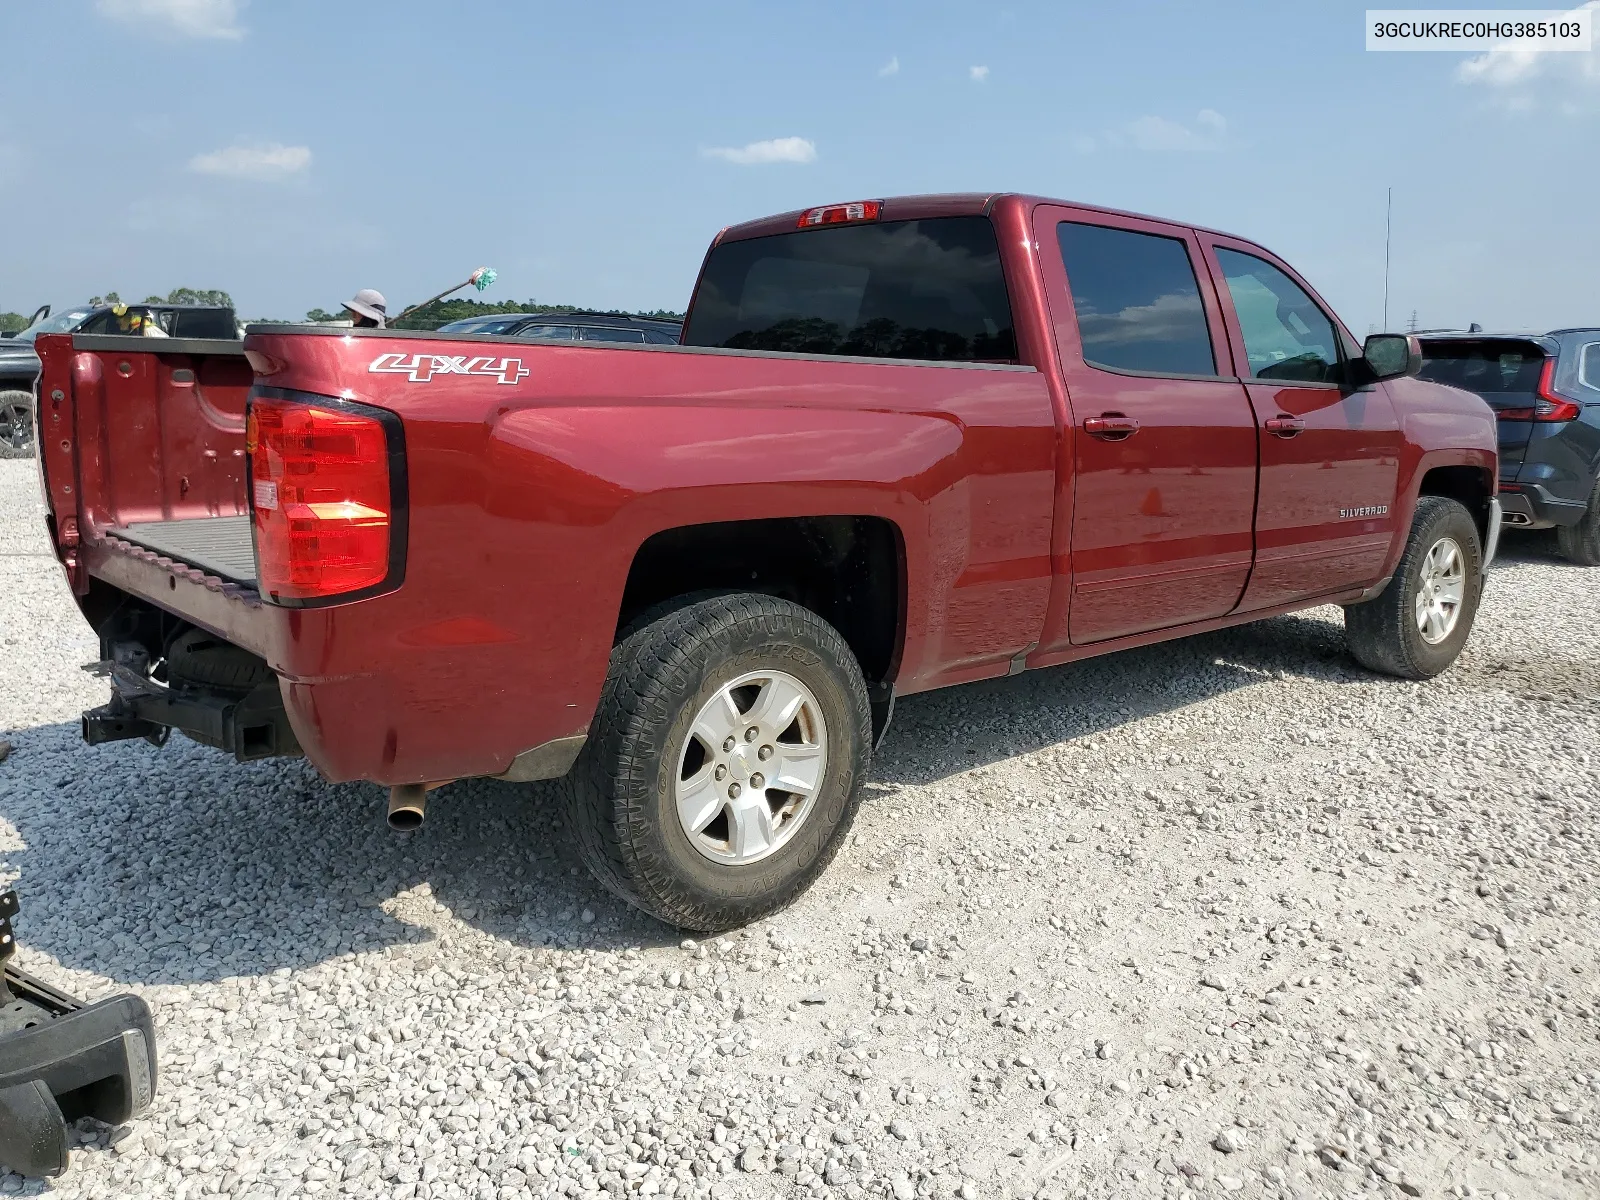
(442, 312)
(430, 316)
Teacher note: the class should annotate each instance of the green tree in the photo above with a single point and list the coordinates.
(108, 298)
(322, 316)
(211, 297)
(11, 322)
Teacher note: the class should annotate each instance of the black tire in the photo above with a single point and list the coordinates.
(1580, 543)
(620, 795)
(1383, 633)
(199, 659)
(16, 424)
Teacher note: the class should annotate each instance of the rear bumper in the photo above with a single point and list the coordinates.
(1531, 506)
(1496, 519)
(61, 1060)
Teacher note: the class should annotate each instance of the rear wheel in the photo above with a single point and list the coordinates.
(1416, 626)
(725, 762)
(1580, 543)
(16, 424)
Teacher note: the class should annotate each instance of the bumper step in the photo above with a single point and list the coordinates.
(61, 1059)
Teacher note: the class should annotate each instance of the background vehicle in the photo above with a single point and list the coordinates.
(571, 326)
(19, 363)
(905, 444)
(1545, 391)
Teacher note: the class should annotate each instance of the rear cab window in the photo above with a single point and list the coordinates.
(931, 289)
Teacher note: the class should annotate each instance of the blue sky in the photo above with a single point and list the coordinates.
(291, 152)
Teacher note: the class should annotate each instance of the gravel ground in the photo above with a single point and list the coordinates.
(1226, 915)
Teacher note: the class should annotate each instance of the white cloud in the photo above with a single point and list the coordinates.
(187, 18)
(979, 74)
(1160, 135)
(892, 67)
(1514, 72)
(774, 150)
(269, 162)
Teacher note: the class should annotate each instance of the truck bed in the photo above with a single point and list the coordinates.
(220, 546)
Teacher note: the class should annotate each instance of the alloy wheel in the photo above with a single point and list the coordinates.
(751, 767)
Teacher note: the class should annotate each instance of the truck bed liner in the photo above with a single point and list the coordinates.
(220, 546)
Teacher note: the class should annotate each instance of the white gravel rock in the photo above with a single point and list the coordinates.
(1002, 986)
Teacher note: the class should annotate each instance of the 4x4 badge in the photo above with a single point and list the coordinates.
(420, 368)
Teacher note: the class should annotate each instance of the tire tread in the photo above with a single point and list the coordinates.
(1377, 631)
(651, 662)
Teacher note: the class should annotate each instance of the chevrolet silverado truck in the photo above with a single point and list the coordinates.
(903, 444)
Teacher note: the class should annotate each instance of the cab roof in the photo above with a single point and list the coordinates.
(947, 204)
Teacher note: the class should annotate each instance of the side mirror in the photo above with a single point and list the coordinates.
(1392, 355)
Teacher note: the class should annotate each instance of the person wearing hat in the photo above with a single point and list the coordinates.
(367, 309)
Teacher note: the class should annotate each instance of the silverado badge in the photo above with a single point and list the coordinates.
(1370, 510)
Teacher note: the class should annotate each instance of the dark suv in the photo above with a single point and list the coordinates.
(1545, 389)
(572, 326)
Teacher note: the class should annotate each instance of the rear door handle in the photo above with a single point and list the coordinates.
(1111, 427)
(1284, 427)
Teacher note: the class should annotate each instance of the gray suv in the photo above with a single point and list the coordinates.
(1545, 390)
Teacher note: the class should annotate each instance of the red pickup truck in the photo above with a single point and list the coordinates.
(904, 444)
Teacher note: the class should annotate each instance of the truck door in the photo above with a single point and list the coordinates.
(1162, 465)
(1330, 455)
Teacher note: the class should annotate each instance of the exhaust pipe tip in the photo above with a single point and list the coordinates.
(408, 805)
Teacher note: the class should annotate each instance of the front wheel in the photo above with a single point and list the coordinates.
(16, 424)
(1416, 626)
(725, 762)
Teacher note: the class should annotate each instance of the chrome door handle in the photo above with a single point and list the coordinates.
(1111, 427)
(1284, 427)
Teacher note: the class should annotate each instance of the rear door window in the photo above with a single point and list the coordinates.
(1137, 301)
(927, 289)
(204, 323)
(1589, 366)
(609, 333)
(1286, 336)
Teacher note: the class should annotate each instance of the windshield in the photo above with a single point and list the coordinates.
(60, 323)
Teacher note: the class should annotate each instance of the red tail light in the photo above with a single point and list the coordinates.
(1552, 406)
(323, 499)
(841, 214)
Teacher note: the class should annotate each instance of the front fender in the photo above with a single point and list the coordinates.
(1457, 436)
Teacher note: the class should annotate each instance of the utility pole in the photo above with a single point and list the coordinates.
(1388, 212)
